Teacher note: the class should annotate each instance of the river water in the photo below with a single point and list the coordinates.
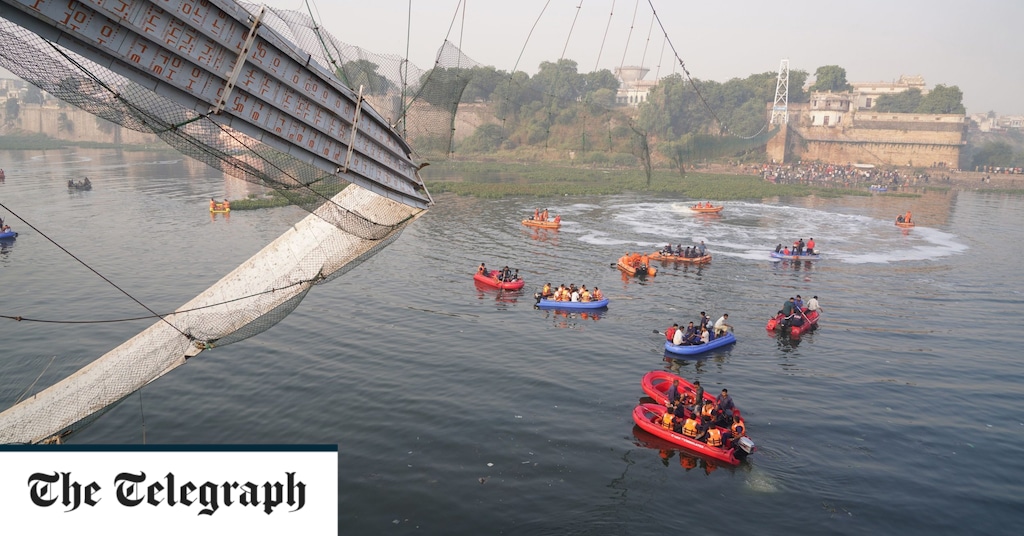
(461, 410)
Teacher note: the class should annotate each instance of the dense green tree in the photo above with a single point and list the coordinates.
(11, 110)
(487, 138)
(942, 100)
(33, 95)
(443, 87)
(364, 73)
(830, 78)
(558, 81)
(997, 153)
(904, 102)
(482, 83)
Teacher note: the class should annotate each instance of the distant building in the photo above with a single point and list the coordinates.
(633, 89)
(865, 94)
(845, 128)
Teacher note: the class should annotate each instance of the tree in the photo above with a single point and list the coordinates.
(364, 73)
(11, 110)
(997, 153)
(482, 83)
(942, 100)
(830, 78)
(904, 102)
(33, 95)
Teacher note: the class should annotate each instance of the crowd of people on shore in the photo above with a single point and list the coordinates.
(702, 333)
(717, 423)
(571, 293)
(839, 175)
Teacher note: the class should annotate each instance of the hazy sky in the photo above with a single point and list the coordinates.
(976, 45)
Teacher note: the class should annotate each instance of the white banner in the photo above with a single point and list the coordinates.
(170, 489)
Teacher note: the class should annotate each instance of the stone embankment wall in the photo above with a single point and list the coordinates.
(76, 125)
(868, 137)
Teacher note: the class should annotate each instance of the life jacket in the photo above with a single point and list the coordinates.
(669, 333)
(737, 429)
(690, 428)
(666, 420)
(598, 296)
(547, 291)
(708, 410)
(585, 296)
(714, 437)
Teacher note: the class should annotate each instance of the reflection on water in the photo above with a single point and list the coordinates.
(577, 320)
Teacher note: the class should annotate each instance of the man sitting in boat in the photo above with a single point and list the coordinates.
(585, 296)
(670, 334)
(722, 325)
(546, 291)
(778, 248)
(679, 250)
(667, 250)
(785, 251)
(691, 336)
(482, 269)
(736, 429)
(598, 296)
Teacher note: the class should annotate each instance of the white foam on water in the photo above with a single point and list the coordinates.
(752, 230)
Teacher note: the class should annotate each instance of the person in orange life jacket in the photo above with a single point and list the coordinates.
(666, 419)
(585, 295)
(558, 218)
(670, 332)
(785, 251)
(714, 437)
(691, 428)
(598, 296)
(736, 429)
(546, 291)
(810, 246)
(482, 269)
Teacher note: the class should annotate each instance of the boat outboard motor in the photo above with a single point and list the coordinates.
(746, 444)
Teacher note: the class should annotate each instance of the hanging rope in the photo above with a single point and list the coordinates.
(603, 39)
(566, 47)
(629, 36)
(694, 84)
(514, 67)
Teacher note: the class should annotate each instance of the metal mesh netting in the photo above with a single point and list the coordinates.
(347, 224)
